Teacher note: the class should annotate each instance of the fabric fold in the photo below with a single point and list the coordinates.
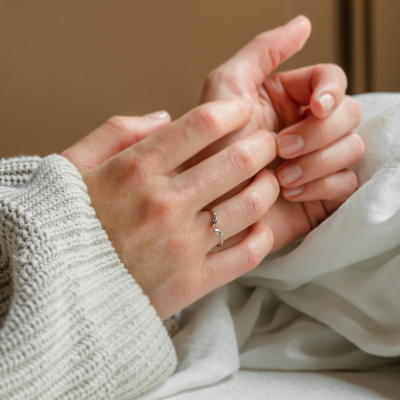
(332, 300)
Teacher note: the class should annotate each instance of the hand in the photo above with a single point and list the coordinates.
(115, 135)
(278, 103)
(154, 218)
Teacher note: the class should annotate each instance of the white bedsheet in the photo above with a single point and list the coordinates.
(329, 302)
(273, 385)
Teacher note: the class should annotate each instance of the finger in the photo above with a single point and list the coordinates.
(225, 170)
(226, 265)
(115, 135)
(182, 139)
(261, 56)
(335, 187)
(314, 133)
(239, 212)
(321, 86)
(331, 205)
(341, 154)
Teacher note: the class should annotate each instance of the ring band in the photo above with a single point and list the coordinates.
(215, 216)
(221, 236)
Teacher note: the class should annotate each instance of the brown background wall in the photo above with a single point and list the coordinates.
(68, 66)
(385, 45)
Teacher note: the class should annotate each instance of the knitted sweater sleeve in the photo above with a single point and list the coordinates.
(73, 322)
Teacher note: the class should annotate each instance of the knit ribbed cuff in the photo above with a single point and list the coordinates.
(79, 326)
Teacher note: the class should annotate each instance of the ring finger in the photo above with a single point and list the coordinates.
(335, 157)
(240, 211)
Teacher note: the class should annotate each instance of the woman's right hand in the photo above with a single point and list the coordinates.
(153, 215)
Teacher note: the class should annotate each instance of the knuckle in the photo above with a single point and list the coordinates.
(275, 56)
(206, 118)
(253, 256)
(325, 133)
(256, 204)
(341, 73)
(352, 181)
(119, 123)
(358, 147)
(323, 161)
(327, 188)
(354, 110)
(243, 159)
(270, 145)
(334, 70)
(135, 166)
(164, 207)
(225, 74)
(275, 187)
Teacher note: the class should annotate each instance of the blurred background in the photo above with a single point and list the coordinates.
(68, 66)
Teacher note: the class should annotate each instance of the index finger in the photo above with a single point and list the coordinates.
(321, 86)
(262, 55)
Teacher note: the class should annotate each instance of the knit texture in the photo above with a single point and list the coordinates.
(73, 322)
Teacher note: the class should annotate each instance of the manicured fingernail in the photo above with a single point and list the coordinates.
(157, 115)
(290, 144)
(293, 191)
(289, 174)
(249, 104)
(295, 21)
(327, 102)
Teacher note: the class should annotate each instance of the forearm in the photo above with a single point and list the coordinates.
(74, 321)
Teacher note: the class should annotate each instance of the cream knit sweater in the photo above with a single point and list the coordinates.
(73, 322)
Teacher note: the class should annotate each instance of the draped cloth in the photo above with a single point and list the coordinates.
(329, 301)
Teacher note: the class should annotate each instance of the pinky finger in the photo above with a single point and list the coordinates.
(336, 187)
(226, 265)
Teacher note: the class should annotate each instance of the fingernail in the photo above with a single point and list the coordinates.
(289, 144)
(157, 115)
(327, 102)
(289, 174)
(296, 20)
(273, 172)
(249, 105)
(274, 135)
(269, 222)
(293, 191)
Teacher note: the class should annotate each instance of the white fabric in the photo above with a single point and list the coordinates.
(329, 302)
(383, 384)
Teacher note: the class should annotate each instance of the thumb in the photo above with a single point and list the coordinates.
(113, 136)
(262, 55)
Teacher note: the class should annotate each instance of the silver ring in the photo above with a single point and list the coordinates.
(221, 236)
(215, 216)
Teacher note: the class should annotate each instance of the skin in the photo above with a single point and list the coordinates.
(149, 179)
(290, 103)
(153, 215)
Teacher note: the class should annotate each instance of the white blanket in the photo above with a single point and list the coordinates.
(331, 301)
